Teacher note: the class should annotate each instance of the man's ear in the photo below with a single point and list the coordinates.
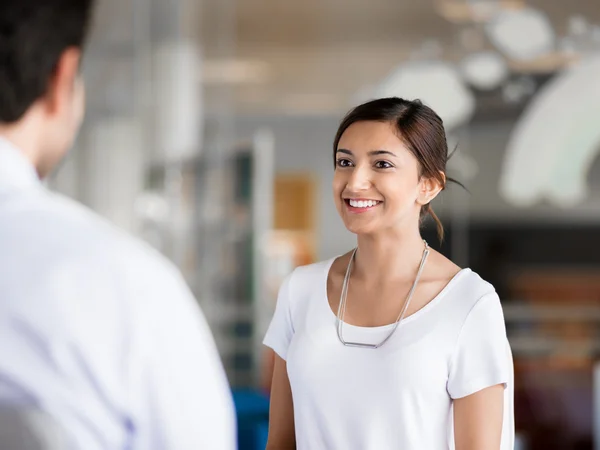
(63, 80)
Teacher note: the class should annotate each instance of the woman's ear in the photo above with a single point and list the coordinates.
(430, 188)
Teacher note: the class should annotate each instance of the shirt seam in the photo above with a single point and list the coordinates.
(288, 293)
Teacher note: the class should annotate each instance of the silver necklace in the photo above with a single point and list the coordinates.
(342, 306)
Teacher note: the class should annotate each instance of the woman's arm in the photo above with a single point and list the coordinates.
(478, 419)
(281, 417)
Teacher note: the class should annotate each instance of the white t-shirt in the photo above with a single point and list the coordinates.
(398, 396)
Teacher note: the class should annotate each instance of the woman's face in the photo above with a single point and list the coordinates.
(376, 185)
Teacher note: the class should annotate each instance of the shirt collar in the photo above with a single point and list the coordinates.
(15, 168)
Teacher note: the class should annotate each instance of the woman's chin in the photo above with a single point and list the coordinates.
(361, 229)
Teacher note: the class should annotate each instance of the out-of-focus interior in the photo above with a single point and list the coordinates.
(209, 133)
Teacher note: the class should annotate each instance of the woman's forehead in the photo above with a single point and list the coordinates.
(369, 136)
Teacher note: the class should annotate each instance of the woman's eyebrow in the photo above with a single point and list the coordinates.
(371, 153)
(381, 152)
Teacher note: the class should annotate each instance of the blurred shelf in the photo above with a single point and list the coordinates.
(537, 312)
(544, 346)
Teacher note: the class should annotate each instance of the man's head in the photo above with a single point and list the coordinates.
(41, 93)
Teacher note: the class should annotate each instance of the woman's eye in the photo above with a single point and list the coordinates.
(383, 165)
(344, 163)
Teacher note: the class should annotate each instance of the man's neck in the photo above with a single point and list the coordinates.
(24, 139)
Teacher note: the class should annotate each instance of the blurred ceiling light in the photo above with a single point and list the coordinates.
(429, 49)
(234, 71)
(578, 26)
(553, 147)
(485, 9)
(522, 34)
(568, 46)
(484, 70)
(582, 37)
(511, 93)
(463, 164)
(469, 11)
(518, 90)
(436, 83)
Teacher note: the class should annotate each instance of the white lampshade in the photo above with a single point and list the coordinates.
(522, 34)
(484, 70)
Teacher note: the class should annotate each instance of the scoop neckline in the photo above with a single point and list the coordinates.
(430, 305)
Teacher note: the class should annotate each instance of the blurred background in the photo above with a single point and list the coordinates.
(209, 133)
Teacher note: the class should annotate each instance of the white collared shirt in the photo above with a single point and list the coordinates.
(99, 331)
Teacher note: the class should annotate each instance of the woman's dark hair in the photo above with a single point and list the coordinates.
(421, 129)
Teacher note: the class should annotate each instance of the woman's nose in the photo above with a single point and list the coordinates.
(359, 180)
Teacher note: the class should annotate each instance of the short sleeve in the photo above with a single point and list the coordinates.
(281, 329)
(482, 357)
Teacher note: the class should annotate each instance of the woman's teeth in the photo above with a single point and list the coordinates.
(362, 203)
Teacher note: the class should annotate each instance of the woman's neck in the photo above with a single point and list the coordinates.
(395, 255)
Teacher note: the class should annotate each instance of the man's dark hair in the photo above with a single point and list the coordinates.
(33, 36)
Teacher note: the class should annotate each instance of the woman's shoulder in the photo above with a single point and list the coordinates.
(303, 282)
(472, 290)
(312, 272)
(472, 300)
(307, 278)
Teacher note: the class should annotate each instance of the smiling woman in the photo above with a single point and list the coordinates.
(416, 355)
(401, 127)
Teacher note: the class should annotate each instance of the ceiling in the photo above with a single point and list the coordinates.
(309, 57)
(314, 57)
